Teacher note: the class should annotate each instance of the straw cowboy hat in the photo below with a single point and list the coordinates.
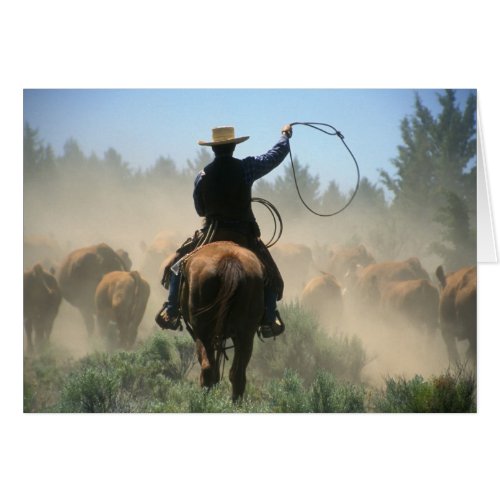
(223, 135)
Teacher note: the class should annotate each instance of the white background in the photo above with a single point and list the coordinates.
(356, 44)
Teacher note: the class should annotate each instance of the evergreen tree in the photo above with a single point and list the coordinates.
(435, 157)
(458, 246)
(114, 164)
(435, 177)
(454, 132)
(164, 170)
(414, 186)
(38, 160)
(332, 199)
(369, 198)
(73, 159)
(31, 149)
(285, 190)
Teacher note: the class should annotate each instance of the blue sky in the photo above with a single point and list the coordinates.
(145, 124)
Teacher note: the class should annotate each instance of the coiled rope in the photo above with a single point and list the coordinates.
(333, 132)
(278, 222)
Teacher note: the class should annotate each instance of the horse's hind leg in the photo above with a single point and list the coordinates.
(237, 374)
(209, 375)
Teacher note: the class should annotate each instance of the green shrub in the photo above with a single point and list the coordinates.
(43, 378)
(326, 394)
(454, 392)
(91, 390)
(159, 351)
(29, 405)
(218, 400)
(330, 396)
(288, 395)
(215, 400)
(185, 347)
(126, 381)
(306, 349)
(153, 379)
(446, 393)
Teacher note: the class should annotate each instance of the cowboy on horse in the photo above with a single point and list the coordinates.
(223, 195)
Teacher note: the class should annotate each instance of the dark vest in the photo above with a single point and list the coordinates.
(225, 194)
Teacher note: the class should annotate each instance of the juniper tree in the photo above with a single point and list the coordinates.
(436, 169)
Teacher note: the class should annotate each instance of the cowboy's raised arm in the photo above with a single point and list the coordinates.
(258, 166)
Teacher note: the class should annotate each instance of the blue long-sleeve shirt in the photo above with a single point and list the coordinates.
(254, 167)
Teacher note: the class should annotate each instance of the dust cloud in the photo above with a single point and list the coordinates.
(71, 212)
(396, 349)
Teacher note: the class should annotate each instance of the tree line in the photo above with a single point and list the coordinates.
(432, 210)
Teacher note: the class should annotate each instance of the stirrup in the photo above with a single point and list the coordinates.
(167, 322)
(273, 329)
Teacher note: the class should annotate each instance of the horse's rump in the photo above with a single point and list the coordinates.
(225, 287)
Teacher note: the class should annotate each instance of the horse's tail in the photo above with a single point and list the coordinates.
(229, 272)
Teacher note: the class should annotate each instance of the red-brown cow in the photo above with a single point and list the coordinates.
(458, 310)
(42, 298)
(80, 273)
(121, 297)
(323, 296)
(416, 301)
(124, 256)
(371, 280)
(349, 258)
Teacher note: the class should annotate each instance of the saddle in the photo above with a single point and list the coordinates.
(272, 275)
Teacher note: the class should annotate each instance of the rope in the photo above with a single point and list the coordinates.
(276, 216)
(334, 132)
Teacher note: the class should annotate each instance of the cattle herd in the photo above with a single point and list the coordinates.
(348, 291)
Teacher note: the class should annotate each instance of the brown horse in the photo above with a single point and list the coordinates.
(223, 297)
